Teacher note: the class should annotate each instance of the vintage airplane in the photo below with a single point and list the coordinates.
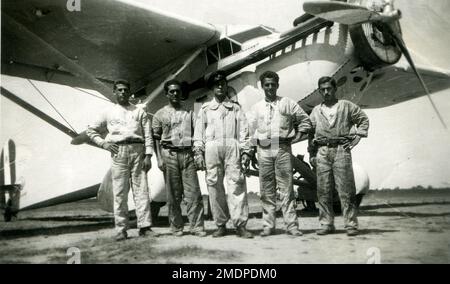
(85, 45)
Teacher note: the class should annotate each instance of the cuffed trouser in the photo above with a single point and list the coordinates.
(222, 159)
(181, 179)
(334, 169)
(275, 171)
(127, 166)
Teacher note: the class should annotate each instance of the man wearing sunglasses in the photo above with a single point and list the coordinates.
(173, 128)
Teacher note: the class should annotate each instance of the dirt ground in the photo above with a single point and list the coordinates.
(410, 226)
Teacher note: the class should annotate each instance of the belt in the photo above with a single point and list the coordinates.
(176, 149)
(331, 142)
(274, 141)
(130, 141)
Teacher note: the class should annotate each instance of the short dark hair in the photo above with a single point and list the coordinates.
(269, 74)
(122, 82)
(216, 76)
(327, 79)
(171, 82)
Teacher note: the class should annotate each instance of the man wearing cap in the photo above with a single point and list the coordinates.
(338, 127)
(130, 142)
(173, 128)
(221, 141)
(277, 122)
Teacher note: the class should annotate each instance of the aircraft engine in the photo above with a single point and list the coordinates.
(374, 43)
(374, 47)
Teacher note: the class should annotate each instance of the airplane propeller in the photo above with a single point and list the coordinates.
(351, 14)
(401, 44)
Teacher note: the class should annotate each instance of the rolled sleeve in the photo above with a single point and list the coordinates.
(199, 132)
(157, 126)
(301, 119)
(147, 132)
(94, 129)
(252, 125)
(360, 119)
(244, 137)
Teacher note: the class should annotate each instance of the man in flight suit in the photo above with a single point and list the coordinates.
(130, 142)
(276, 123)
(334, 122)
(173, 128)
(221, 138)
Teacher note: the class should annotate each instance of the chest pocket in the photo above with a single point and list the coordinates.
(284, 117)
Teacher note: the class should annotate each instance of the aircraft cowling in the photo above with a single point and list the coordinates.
(373, 46)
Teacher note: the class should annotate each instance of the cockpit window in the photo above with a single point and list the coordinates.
(221, 50)
(212, 53)
(225, 48)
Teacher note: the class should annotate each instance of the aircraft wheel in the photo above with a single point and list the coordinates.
(359, 198)
(7, 216)
(337, 204)
(337, 207)
(310, 206)
(9, 213)
(154, 210)
(207, 208)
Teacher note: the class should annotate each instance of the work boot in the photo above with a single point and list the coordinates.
(147, 232)
(325, 231)
(220, 232)
(243, 233)
(121, 236)
(294, 232)
(199, 234)
(352, 232)
(177, 233)
(266, 232)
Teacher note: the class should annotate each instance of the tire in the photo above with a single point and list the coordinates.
(337, 204)
(207, 208)
(359, 198)
(305, 170)
(337, 207)
(154, 210)
(7, 216)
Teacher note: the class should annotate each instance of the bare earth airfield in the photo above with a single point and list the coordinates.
(404, 226)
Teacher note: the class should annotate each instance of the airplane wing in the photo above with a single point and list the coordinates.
(97, 42)
(391, 85)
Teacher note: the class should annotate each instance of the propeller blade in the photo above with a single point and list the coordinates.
(348, 14)
(401, 44)
(342, 13)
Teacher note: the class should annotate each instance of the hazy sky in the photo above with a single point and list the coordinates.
(407, 145)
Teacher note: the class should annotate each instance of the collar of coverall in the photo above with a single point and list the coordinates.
(275, 101)
(226, 103)
(171, 107)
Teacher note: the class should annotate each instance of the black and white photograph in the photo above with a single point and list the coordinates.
(225, 132)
